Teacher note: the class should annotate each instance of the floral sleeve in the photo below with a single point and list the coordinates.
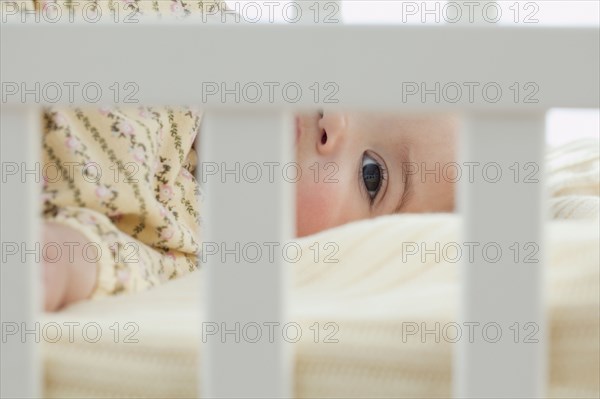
(123, 176)
(128, 9)
(124, 179)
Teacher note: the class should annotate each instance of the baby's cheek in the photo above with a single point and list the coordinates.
(314, 202)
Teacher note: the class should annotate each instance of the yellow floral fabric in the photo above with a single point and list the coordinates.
(124, 177)
(178, 8)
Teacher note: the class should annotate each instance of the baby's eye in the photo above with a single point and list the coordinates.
(372, 175)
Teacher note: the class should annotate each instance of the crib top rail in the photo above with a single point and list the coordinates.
(408, 68)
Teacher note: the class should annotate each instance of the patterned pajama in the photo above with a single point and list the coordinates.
(123, 177)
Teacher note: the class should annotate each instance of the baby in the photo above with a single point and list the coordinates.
(120, 200)
(130, 205)
(376, 159)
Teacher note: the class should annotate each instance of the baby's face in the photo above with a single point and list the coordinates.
(361, 165)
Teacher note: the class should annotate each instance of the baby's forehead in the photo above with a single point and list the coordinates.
(400, 117)
(399, 122)
(380, 118)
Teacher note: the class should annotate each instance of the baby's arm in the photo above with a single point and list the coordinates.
(121, 225)
(70, 277)
(98, 259)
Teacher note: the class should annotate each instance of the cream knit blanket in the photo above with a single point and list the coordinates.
(572, 180)
(370, 294)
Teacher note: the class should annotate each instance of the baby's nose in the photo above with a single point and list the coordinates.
(333, 130)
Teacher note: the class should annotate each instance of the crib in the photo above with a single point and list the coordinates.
(401, 68)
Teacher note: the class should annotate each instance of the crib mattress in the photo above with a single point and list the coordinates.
(370, 294)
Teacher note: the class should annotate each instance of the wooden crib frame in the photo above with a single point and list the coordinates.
(369, 65)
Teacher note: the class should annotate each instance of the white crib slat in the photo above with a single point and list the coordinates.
(245, 212)
(212, 64)
(508, 291)
(20, 285)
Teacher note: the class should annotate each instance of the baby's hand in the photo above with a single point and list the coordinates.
(68, 276)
